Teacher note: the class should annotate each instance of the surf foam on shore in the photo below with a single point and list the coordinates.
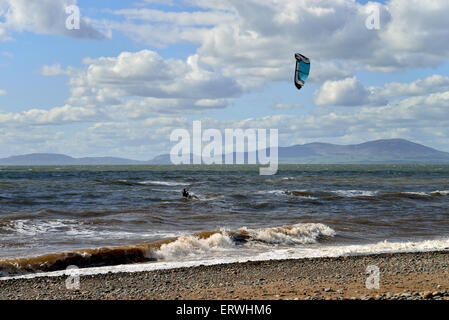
(197, 247)
(279, 253)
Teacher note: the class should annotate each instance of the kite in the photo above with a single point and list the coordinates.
(302, 70)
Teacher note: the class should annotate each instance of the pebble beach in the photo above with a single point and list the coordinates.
(402, 276)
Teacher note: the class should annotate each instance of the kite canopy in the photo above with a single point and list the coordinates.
(302, 70)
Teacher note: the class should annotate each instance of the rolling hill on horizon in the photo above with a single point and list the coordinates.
(378, 151)
(44, 159)
(386, 151)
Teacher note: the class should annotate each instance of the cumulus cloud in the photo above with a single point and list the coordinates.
(254, 41)
(53, 116)
(146, 74)
(262, 43)
(155, 35)
(53, 70)
(141, 139)
(346, 92)
(431, 84)
(323, 71)
(420, 118)
(152, 107)
(3, 92)
(41, 17)
(135, 99)
(244, 45)
(416, 32)
(160, 28)
(351, 92)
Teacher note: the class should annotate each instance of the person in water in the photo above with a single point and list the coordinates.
(185, 193)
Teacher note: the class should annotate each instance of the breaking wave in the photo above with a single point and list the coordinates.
(163, 183)
(173, 249)
(32, 228)
(360, 194)
(146, 183)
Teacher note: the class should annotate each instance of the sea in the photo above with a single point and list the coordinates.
(131, 218)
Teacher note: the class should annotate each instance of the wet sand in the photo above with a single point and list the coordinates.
(404, 276)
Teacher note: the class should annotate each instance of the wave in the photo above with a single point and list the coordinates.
(66, 230)
(279, 180)
(276, 192)
(173, 248)
(198, 244)
(120, 182)
(440, 193)
(146, 183)
(306, 193)
(383, 247)
(358, 194)
(31, 228)
(163, 183)
(302, 233)
(413, 195)
(355, 193)
(388, 246)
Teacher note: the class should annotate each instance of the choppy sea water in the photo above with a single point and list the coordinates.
(52, 217)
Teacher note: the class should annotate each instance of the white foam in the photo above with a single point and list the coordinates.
(353, 250)
(262, 239)
(38, 227)
(286, 193)
(359, 193)
(188, 246)
(66, 228)
(302, 233)
(442, 192)
(418, 193)
(355, 193)
(163, 183)
(313, 251)
(277, 192)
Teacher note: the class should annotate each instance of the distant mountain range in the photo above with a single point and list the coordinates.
(390, 151)
(54, 159)
(372, 152)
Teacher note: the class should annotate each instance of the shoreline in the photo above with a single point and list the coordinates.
(413, 275)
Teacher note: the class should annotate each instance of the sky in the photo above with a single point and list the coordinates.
(136, 70)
